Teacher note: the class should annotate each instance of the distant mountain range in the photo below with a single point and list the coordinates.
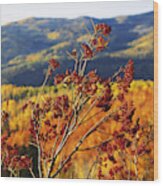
(27, 45)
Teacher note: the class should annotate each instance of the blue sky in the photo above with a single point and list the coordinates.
(10, 13)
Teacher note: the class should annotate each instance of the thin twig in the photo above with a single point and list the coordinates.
(42, 86)
(86, 120)
(84, 67)
(116, 73)
(32, 173)
(87, 112)
(53, 150)
(93, 165)
(87, 30)
(75, 59)
(33, 144)
(96, 146)
(39, 155)
(93, 25)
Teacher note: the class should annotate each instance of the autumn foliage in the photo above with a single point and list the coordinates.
(87, 127)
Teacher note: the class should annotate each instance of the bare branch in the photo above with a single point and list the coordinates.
(66, 135)
(90, 131)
